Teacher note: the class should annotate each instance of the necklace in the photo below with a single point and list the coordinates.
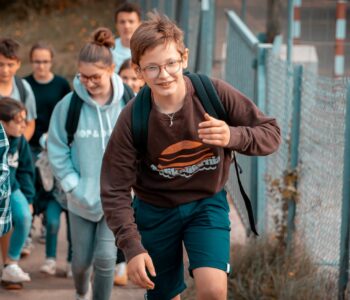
(171, 117)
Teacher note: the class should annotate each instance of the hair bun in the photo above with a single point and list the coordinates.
(103, 37)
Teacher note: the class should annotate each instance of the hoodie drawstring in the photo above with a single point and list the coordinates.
(109, 124)
(102, 130)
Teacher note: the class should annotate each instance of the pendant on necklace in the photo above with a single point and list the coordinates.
(171, 117)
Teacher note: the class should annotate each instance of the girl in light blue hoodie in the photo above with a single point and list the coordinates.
(77, 166)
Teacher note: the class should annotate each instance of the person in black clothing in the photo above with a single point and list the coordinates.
(48, 89)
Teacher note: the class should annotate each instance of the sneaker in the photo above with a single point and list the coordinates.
(121, 276)
(13, 273)
(27, 248)
(49, 267)
(69, 273)
(87, 296)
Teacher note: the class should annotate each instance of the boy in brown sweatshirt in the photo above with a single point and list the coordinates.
(179, 180)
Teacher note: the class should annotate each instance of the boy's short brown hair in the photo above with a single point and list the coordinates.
(9, 48)
(158, 30)
(128, 8)
(9, 108)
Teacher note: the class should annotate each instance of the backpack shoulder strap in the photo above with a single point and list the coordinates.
(21, 89)
(128, 93)
(214, 97)
(214, 107)
(140, 116)
(73, 115)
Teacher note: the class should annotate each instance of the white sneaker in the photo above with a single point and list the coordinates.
(69, 273)
(87, 296)
(13, 273)
(49, 267)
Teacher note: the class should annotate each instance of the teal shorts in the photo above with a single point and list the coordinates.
(203, 226)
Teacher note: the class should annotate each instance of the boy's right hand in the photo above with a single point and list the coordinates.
(137, 271)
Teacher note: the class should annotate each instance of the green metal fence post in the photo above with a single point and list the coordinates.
(345, 221)
(297, 87)
(206, 37)
(169, 8)
(260, 162)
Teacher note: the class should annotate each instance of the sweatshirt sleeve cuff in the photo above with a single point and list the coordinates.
(69, 182)
(133, 248)
(236, 137)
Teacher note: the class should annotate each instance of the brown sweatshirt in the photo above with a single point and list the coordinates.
(178, 167)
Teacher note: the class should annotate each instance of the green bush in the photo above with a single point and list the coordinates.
(262, 270)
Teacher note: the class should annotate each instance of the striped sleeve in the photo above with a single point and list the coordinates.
(5, 209)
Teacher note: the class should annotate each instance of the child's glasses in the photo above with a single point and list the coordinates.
(153, 71)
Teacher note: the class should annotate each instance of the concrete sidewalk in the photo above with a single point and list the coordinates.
(45, 287)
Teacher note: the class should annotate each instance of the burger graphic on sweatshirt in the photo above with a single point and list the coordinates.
(185, 158)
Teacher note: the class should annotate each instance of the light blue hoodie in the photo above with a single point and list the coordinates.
(78, 167)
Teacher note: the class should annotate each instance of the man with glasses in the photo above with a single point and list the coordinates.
(179, 179)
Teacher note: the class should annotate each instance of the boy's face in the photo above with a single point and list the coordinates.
(8, 68)
(17, 125)
(161, 68)
(126, 24)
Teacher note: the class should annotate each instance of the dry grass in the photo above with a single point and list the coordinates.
(66, 28)
(262, 270)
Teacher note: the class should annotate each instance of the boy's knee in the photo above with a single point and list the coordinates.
(52, 227)
(212, 292)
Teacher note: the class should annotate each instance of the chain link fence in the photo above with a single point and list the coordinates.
(279, 105)
(320, 166)
(322, 140)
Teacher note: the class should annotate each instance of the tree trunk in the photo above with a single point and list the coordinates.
(273, 23)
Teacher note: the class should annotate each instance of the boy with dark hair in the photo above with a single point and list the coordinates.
(179, 177)
(13, 87)
(126, 18)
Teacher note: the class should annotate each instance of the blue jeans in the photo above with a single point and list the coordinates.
(52, 217)
(93, 244)
(22, 221)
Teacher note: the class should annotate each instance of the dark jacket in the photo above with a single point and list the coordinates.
(21, 167)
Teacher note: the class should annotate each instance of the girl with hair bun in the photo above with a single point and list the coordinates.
(77, 165)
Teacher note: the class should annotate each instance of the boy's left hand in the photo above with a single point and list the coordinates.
(214, 132)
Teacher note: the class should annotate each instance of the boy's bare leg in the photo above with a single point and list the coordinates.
(4, 245)
(176, 298)
(211, 284)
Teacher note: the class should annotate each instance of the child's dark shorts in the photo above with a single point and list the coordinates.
(204, 228)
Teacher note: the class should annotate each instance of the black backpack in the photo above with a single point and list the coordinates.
(213, 106)
(74, 110)
(21, 89)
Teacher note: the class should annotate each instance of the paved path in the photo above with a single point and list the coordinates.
(45, 287)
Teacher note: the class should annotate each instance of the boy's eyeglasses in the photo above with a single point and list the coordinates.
(41, 62)
(153, 71)
(93, 78)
